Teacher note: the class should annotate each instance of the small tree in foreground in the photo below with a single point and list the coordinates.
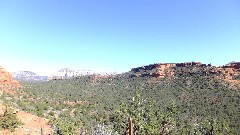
(149, 118)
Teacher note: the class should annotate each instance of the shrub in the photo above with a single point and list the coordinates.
(9, 120)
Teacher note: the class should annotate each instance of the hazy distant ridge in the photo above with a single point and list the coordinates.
(28, 76)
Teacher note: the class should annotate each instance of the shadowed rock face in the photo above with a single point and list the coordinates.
(7, 80)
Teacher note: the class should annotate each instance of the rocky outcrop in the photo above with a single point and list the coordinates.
(6, 79)
(154, 70)
(229, 71)
(163, 69)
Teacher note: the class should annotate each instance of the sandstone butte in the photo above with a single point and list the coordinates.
(32, 124)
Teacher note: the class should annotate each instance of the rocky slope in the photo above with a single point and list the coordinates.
(6, 79)
(31, 124)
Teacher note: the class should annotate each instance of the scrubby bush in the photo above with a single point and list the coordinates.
(9, 120)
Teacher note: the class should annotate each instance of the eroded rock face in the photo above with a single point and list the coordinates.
(6, 79)
(229, 71)
(161, 70)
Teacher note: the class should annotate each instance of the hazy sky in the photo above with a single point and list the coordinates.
(46, 35)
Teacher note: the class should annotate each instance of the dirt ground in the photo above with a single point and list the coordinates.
(32, 125)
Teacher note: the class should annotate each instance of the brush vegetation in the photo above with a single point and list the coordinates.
(191, 102)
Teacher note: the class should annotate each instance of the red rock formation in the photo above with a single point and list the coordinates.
(161, 70)
(235, 65)
(7, 80)
(230, 70)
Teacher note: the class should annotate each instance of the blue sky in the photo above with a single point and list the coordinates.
(45, 35)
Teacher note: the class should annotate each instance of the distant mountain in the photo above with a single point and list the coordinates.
(28, 76)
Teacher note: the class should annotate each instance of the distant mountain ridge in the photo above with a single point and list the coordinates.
(65, 73)
(28, 76)
(24, 73)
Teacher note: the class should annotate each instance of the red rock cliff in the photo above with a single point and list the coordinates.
(229, 71)
(7, 80)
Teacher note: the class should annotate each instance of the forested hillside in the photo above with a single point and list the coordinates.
(193, 100)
